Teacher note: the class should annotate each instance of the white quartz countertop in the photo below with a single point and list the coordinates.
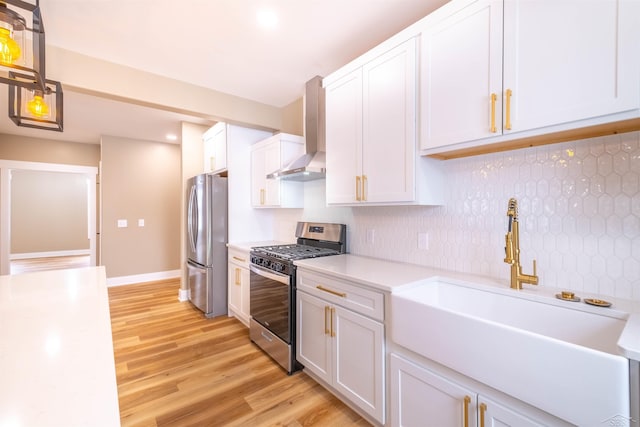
(56, 350)
(393, 276)
(388, 276)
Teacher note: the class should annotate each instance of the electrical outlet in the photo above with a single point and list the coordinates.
(423, 241)
(371, 236)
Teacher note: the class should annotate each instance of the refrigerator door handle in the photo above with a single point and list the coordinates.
(192, 220)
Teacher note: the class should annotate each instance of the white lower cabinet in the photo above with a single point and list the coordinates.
(422, 397)
(238, 285)
(343, 349)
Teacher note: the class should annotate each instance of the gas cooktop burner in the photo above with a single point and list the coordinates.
(295, 251)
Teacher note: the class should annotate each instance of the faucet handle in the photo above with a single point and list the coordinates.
(508, 248)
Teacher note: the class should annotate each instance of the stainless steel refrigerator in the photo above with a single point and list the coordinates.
(206, 243)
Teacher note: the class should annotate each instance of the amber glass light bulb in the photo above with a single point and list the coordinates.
(38, 107)
(9, 49)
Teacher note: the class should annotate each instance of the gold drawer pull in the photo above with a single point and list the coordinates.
(507, 125)
(327, 331)
(465, 411)
(333, 313)
(331, 291)
(364, 188)
(494, 98)
(239, 259)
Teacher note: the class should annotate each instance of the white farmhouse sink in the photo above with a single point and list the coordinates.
(559, 359)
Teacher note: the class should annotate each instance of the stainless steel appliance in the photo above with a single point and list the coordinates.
(206, 243)
(272, 287)
(311, 165)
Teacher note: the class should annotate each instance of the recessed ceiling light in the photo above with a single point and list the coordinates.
(267, 18)
(172, 137)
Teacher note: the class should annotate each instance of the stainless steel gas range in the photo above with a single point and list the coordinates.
(272, 287)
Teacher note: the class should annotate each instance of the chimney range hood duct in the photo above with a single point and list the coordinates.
(311, 165)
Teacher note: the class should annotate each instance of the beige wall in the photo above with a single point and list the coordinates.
(140, 180)
(85, 74)
(293, 118)
(48, 212)
(48, 151)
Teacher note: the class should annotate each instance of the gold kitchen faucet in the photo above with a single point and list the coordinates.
(512, 250)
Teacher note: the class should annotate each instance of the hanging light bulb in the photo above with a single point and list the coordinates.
(37, 106)
(9, 49)
(10, 22)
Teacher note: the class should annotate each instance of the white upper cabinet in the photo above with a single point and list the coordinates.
(268, 156)
(565, 61)
(215, 148)
(371, 133)
(494, 71)
(461, 66)
(344, 138)
(389, 126)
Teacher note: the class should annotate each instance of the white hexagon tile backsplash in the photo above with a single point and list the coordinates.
(579, 211)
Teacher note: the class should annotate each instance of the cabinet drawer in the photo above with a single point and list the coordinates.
(356, 298)
(239, 257)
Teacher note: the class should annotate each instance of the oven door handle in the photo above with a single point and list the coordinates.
(278, 277)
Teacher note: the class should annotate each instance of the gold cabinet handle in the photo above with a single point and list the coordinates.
(483, 409)
(358, 189)
(364, 186)
(507, 124)
(239, 259)
(465, 411)
(262, 196)
(331, 291)
(327, 331)
(237, 276)
(333, 313)
(494, 98)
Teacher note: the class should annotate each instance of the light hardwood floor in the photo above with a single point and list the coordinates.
(176, 368)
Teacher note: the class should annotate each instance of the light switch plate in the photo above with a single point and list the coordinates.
(141, 223)
(122, 223)
(423, 241)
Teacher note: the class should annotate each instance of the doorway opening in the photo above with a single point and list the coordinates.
(47, 216)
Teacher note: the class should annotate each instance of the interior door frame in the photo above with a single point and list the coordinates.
(6, 166)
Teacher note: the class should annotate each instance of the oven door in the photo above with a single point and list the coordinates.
(270, 301)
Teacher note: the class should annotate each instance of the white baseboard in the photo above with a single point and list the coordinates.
(29, 255)
(183, 295)
(140, 278)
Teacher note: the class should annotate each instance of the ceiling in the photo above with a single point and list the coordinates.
(217, 44)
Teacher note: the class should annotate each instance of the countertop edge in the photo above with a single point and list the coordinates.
(629, 341)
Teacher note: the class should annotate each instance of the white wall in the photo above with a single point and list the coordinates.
(579, 216)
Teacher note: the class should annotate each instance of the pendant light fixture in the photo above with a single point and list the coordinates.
(12, 27)
(34, 101)
(38, 108)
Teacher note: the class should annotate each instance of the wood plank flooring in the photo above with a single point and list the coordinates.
(176, 368)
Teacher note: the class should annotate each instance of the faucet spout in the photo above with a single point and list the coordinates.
(512, 250)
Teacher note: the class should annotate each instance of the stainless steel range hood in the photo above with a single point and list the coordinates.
(311, 165)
